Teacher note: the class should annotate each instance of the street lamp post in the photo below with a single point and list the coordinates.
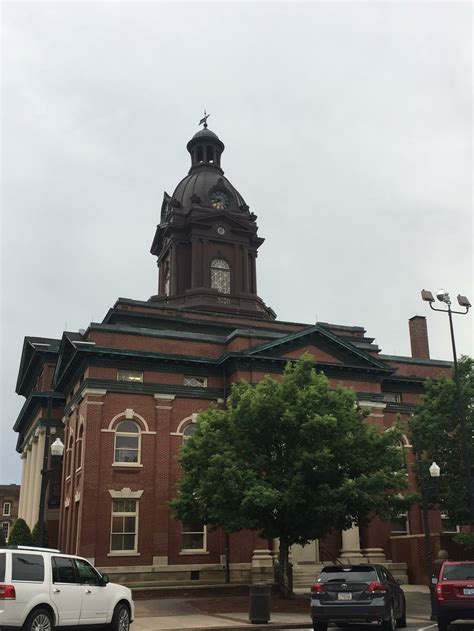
(47, 475)
(443, 296)
(425, 491)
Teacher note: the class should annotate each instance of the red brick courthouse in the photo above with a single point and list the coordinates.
(126, 392)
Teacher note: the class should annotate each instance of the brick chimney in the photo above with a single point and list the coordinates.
(419, 337)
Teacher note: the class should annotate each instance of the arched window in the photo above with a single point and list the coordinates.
(69, 454)
(127, 442)
(220, 276)
(79, 447)
(188, 430)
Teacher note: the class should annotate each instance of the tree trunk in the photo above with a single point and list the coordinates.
(285, 578)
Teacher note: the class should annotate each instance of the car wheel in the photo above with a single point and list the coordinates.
(121, 618)
(443, 623)
(402, 622)
(390, 624)
(320, 626)
(39, 620)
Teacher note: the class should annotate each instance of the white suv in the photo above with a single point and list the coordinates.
(41, 589)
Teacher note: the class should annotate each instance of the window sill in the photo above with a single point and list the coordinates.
(190, 552)
(127, 465)
(123, 553)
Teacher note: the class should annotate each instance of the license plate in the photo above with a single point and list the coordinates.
(344, 596)
(469, 591)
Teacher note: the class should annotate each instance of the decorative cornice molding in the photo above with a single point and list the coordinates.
(125, 493)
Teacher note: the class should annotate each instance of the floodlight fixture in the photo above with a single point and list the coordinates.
(463, 301)
(443, 296)
(427, 296)
(435, 470)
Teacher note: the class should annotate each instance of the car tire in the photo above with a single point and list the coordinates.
(320, 626)
(121, 618)
(443, 623)
(390, 624)
(39, 620)
(402, 622)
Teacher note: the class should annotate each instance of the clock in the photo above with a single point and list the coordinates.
(220, 230)
(219, 200)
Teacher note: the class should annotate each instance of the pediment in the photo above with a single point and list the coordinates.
(211, 218)
(325, 347)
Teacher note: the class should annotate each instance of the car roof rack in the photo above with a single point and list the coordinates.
(36, 548)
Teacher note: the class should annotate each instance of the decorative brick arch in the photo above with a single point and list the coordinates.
(192, 418)
(130, 415)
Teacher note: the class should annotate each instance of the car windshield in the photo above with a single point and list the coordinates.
(458, 572)
(356, 574)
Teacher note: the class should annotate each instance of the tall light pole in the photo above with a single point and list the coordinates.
(425, 491)
(47, 475)
(443, 296)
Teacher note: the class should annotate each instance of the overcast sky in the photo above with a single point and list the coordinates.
(348, 131)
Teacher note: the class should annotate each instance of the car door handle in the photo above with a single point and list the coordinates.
(56, 591)
(88, 591)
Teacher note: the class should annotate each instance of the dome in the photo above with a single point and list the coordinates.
(201, 183)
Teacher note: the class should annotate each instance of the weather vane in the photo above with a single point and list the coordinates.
(203, 120)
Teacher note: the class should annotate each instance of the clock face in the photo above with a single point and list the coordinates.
(219, 200)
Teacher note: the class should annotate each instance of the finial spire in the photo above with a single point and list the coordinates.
(203, 120)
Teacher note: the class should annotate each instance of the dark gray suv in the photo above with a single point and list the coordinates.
(357, 593)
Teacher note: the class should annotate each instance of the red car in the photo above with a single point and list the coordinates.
(455, 593)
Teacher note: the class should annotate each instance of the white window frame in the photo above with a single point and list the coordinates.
(195, 381)
(7, 511)
(134, 376)
(6, 531)
(194, 532)
(407, 522)
(123, 552)
(137, 435)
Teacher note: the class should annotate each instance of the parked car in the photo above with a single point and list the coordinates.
(41, 589)
(455, 593)
(357, 593)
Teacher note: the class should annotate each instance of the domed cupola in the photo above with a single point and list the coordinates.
(206, 242)
(205, 184)
(205, 149)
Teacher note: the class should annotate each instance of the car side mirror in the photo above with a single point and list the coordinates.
(105, 579)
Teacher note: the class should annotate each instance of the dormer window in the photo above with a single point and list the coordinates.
(220, 276)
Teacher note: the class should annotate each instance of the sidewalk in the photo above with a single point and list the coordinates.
(179, 614)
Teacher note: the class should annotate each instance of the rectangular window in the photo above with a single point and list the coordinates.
(124, 525)
(63, 570)
(6, 529)
(447, 524)
(399, 524)
(3, 557)
(392, 397)
(7, 508)
(195, 382)
(87, 574)
(193, 536)
(27, 567)
(129, 375)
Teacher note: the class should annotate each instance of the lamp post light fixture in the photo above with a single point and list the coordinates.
(432, 491)
(443, 296)
(47, 476)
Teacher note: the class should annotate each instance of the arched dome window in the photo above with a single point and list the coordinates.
(127, 442)
(220, 276)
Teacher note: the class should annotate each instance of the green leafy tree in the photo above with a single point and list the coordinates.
(435, 430)
(35, 536)
(3, 542)
(291, 459)
(20, 534)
